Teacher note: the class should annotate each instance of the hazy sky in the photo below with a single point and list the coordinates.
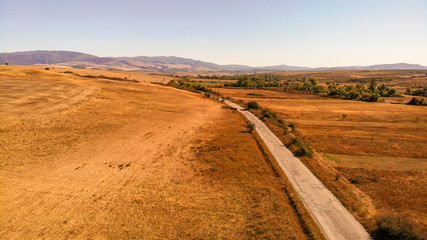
(257, 33)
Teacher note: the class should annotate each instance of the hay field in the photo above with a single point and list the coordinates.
(54, 70)
(369, 129)
(92, 158)
(380, 148)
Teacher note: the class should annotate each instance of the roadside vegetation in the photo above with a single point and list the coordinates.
(370, 195)
(194, 87)
(296, 142)
(250, 175)
(389, 203)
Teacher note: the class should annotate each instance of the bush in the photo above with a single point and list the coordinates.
(393, 227)
(208, 94)
(417, 101)
(392, 93)
(303, 148)
(250, 126)
(252, 105)
(285, 130)
(293, 126)
(354, 95)
(240, 102)
(267, 113)
(374, 98)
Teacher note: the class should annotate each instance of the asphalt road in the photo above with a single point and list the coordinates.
(333, 218)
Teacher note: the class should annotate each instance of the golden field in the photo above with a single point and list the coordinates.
(91, 157)
(380, 149)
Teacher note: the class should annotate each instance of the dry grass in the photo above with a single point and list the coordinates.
(373, 129)
(127, 162)
(375, 157)
(392, 190)
(230, 163)
(16, 71)
(380, 163)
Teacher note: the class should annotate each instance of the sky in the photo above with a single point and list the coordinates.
(316, 33)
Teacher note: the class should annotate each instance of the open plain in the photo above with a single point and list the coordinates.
(96, 158)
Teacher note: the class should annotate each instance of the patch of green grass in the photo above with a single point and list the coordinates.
(331, 158)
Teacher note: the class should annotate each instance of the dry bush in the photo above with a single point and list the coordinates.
(395, 227)
(250, 126)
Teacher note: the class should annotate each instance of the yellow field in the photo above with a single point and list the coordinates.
(54, 71)
(372, 129)
(93, 158)
(379, 148)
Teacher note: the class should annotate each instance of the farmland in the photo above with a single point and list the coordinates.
(104, 157)
(378, 148)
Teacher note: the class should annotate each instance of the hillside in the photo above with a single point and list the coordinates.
(162, 64)
(95, 158)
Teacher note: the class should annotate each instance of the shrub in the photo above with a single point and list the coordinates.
(250, 126)
(417, 101)
(293, 126)
(47, 68)
(303, 148)
(393, 227)
(285, 130)
(252, 105)
(374, 98)
(354, 95)
(267, 113)
(392, 93)
(240, 102)
(208, 94)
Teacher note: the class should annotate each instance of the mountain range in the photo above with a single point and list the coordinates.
(162, 64)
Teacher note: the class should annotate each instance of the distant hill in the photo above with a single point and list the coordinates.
(41, 57)
(377, 67)
(162, 64)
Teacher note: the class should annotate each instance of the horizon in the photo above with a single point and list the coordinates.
(215, 62)
(303, 33)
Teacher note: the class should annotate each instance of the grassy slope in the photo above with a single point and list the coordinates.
(129, 162)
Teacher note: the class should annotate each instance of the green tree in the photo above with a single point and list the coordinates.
(253, 105)
(373, 85)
